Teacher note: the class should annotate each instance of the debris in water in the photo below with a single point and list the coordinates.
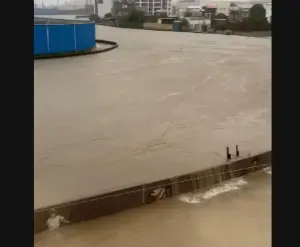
(55, 220)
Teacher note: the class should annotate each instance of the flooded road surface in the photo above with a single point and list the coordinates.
(161, 105)
(240, 217)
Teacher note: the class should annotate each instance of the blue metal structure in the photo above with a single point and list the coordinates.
(63, 38)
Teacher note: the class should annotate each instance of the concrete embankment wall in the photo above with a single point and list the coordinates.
(106, 204)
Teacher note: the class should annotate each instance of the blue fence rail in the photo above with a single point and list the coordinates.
(63, 38)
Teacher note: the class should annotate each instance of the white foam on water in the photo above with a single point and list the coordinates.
(268, 170)
(172, 94)
(226, 187)
(190, 199)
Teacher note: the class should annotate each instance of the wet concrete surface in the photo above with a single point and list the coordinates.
(240, 217)
(160, 105)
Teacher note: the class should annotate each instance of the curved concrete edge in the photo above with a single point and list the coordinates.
(106, 204)
(113, 44)
(58, 21)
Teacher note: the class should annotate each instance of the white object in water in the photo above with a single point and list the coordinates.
(268, 170)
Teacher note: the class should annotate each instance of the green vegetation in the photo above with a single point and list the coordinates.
(136, 16)
(185, 23)
(107, 15)
(257, 13)
(151, 18)
(256, 21)
(134, 19)
(95, 18)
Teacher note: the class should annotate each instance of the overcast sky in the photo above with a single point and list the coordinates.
(102, 8)
(81, 2)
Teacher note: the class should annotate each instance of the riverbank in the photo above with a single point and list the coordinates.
(169, 27)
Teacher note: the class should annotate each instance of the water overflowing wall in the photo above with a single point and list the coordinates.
(105, 204)
(61, 36)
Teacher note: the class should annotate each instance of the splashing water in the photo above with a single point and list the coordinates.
(227, 187)
(268, 170)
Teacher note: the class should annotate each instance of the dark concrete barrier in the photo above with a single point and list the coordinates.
(113, 45)
(43, 20)
(106, 204)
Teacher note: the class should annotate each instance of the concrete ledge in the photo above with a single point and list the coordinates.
(106, 204)
(43, 20)
(113, 45)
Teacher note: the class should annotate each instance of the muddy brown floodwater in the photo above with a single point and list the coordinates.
(236, 218)
(162, 104)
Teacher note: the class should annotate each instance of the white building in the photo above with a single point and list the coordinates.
(169, 8)
(268, 7)
(183, 5)
(152, 6)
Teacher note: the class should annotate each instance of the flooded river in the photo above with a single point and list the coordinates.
(161, 105)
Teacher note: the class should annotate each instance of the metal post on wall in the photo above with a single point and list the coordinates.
(96, 7)
(48, 37)
(75, 43)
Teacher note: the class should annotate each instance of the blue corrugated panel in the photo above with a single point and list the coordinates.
(40, 39)
(61, 38)
(85, 36)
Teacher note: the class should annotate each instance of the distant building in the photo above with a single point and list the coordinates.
(169, 7)
(184, 6)
(89, 8)
(268, 7)
(152, 6)
(122, 7)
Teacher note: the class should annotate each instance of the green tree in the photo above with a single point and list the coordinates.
(95, 18)
(257, 20)
(136, 16)
(185, 23)
(108, 15)
(257, 13)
